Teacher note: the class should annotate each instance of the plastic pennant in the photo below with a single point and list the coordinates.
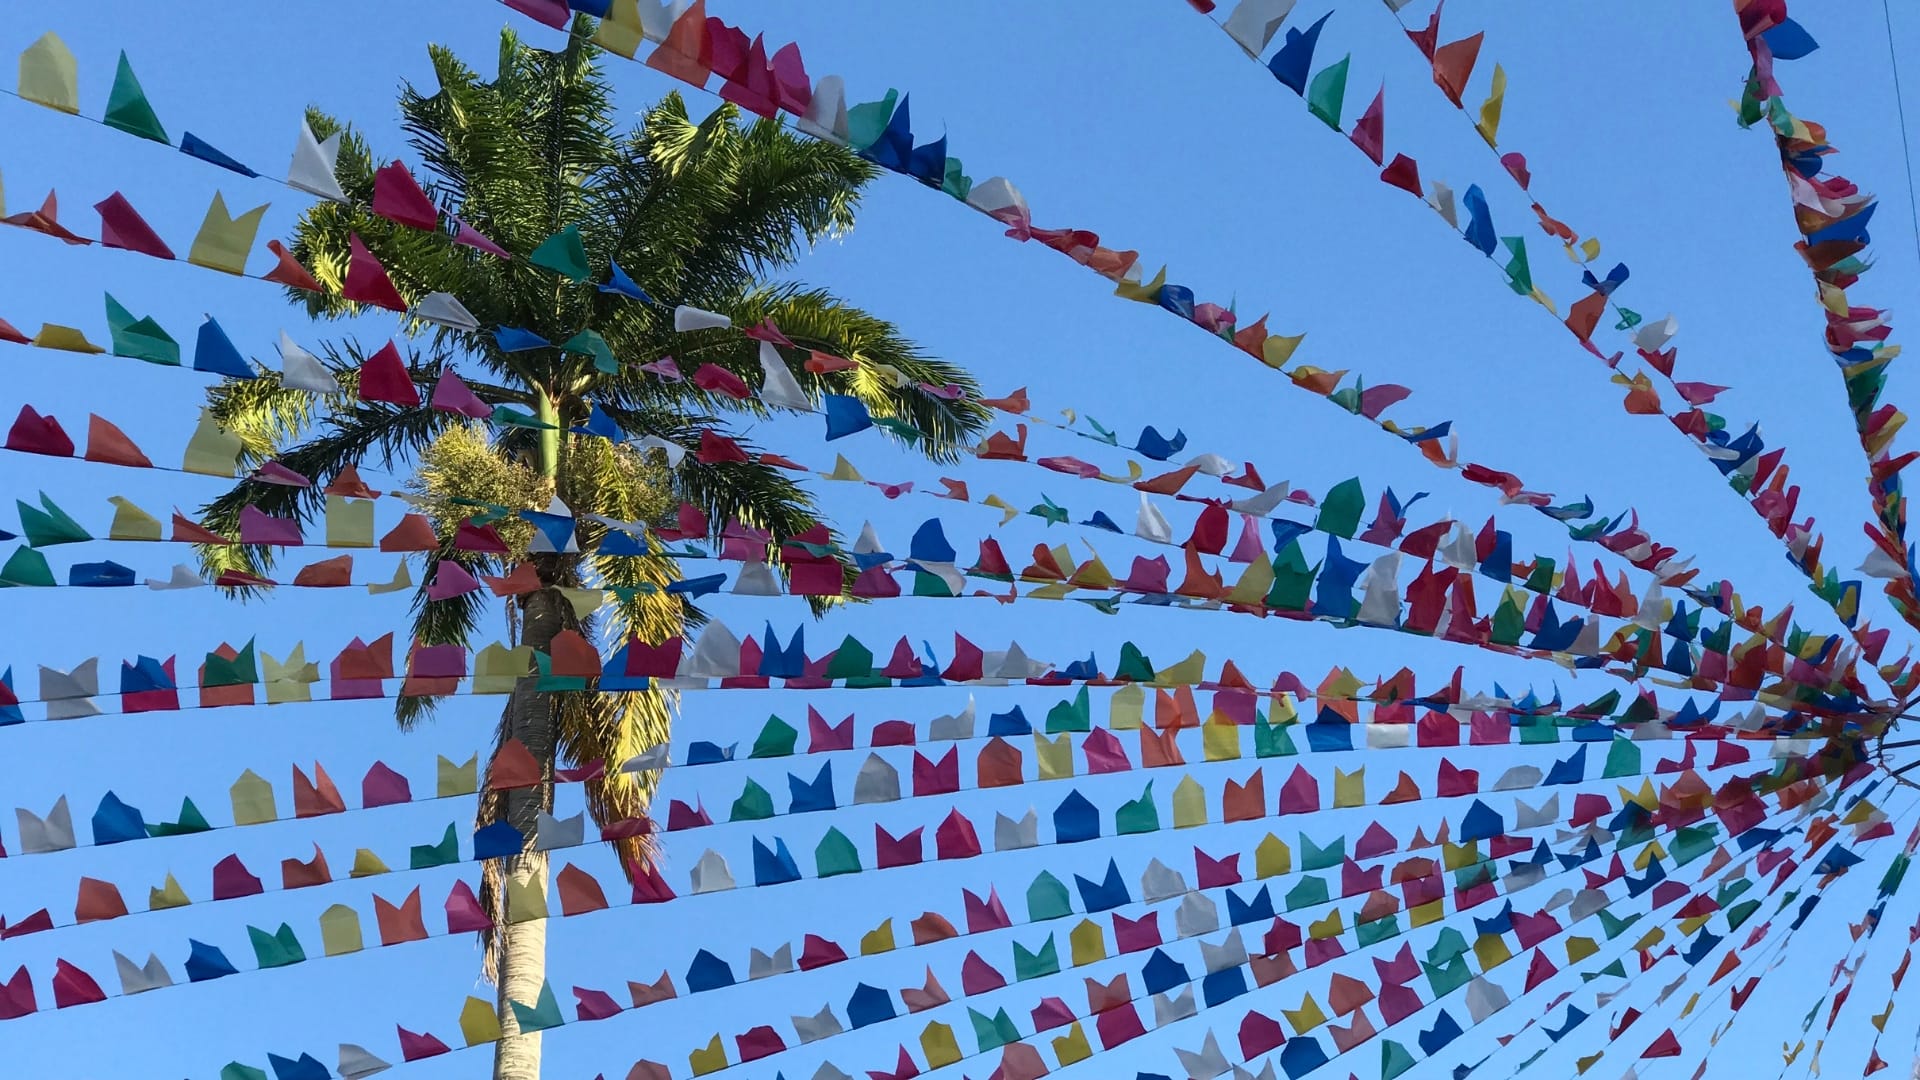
(128, 108)
(49, 75)
(367, 281)
(314, 161)
(224, 241)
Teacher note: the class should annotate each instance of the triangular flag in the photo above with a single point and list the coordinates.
(224, 242)
(128, 108)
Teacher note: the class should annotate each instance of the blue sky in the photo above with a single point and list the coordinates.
(1142, 123)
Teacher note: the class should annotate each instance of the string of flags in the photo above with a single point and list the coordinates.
(1490, 952)
(1293, 906)
(1833, 214)
(1253, 24)
(407, 205)
(1785, 829)
(350, 525)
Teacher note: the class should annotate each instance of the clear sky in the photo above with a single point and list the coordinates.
(1139, 121)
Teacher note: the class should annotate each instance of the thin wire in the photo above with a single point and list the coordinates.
(1906, 147)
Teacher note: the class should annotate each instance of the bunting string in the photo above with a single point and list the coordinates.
(1511, 487)
(1484, 899)
(1338, 516)
(1759, 477)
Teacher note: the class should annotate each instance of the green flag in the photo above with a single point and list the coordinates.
(1047, 899)
(191, 821)
(128, 108)
(1292, 579)
(591, 344)
(836, 855)
(1134, 664)
(1519, 274)
(754, 804)
(775, 740)
(278, 949)
(239, 671)
(26, 567)
(1340, 511)
(1623, 759)
(1328, 91)
(49, 525)
(140, 339)
(426, 856)
(866, 121)
(564, 254)
(1075, 715)
(1035, 965)
(1394, 1059)
(544, 1014)
(1137, 816)
(1310, 891)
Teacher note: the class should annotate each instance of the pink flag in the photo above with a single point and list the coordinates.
(452, 395)
(259, 527)
(468, 236)
(449, 581)
(398, 198)
(367, 281)
(121, 226)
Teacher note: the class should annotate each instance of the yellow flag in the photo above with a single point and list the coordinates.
(457, 779)
(212, 451)
(1579, 948)
(402, 581)
(939, 1044)
(478, 1022)
(1054, 755)
(1491, 950)
(1489, 125)
(168, 895)
(1350, 789)
(367, 864)
(1125, 708)
(1423, 914)
(65, 339)
(1189, 804)
(1094, 574)
(584, 601)
(49, 75)
(620, 30)
(340, 930)
(1254, 583)
(253, 800)
(1272, 857)
(349, 522)
(1185, 673)
(709, 1058)
(1148, 293)
(1307, 1017)
(291, 680)
(130, 522)
(224, 241)
(1087, 942)
(842, 470)
(1220, 742)
(1330, 926)
(497, 668)
(1072, 1046)
(526, 901)
(877, 940)
(1278, 349)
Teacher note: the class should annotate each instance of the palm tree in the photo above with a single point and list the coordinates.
(698, 214)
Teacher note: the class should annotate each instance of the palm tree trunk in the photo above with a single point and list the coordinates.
(522, 947)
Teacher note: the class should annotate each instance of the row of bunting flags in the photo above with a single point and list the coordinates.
(400, 199)
(693, 47)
